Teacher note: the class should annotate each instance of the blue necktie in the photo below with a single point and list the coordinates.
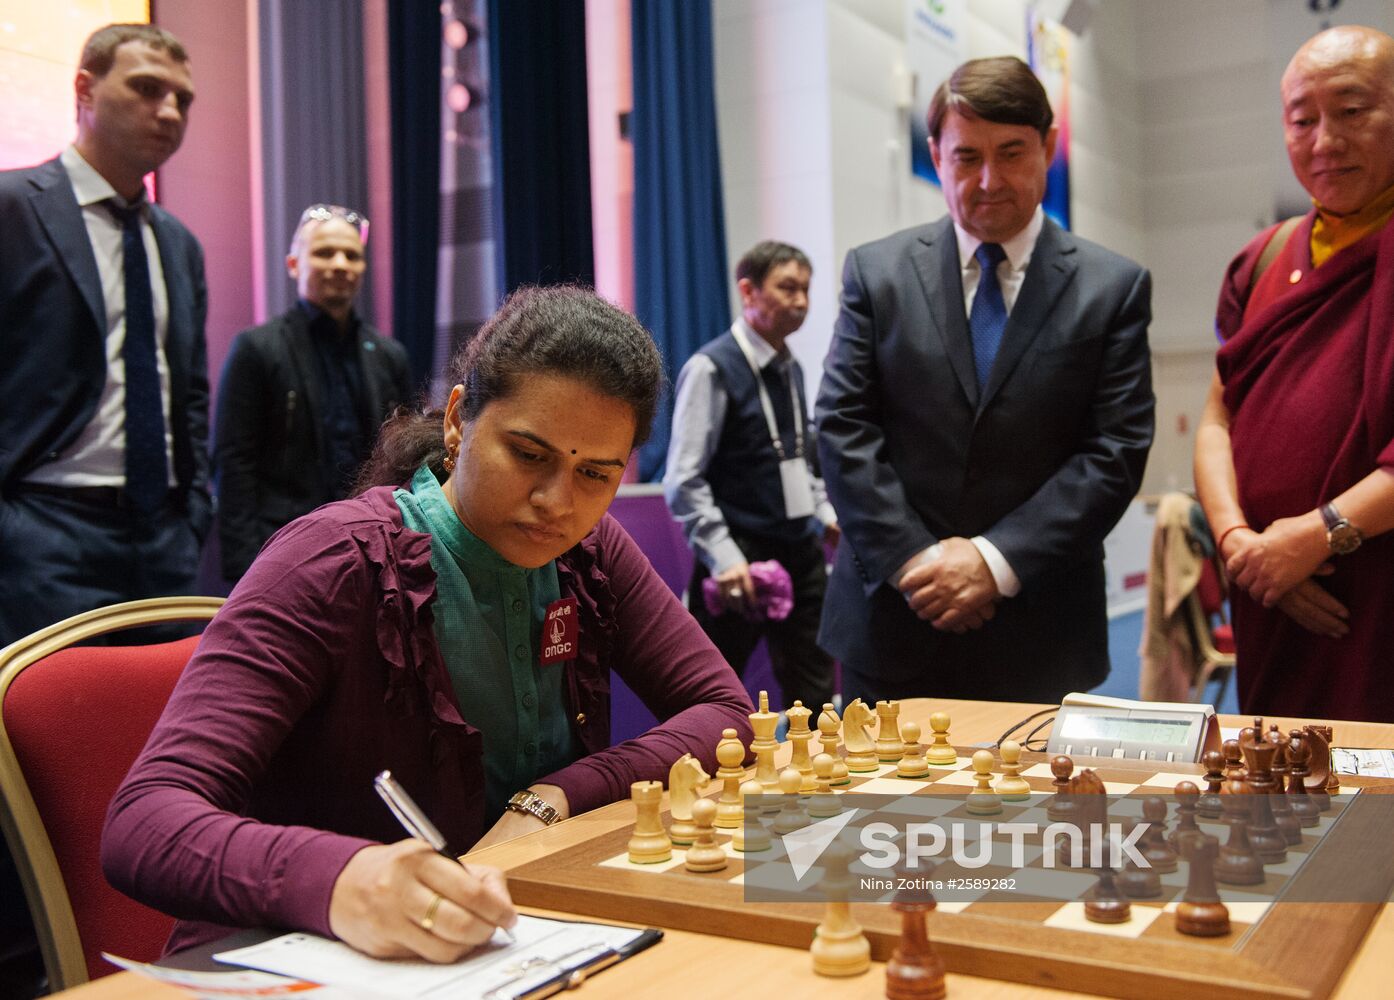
(147, 468)
(989, 316)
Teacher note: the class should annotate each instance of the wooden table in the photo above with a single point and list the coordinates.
(684, 962)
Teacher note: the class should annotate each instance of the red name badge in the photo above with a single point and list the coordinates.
(559, 631)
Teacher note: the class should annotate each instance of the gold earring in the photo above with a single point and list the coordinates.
(449, 462)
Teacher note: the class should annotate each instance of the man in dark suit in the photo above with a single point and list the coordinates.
(104, 384)
(984, 419)
(302, 396)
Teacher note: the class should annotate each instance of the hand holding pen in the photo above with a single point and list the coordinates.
(412, 898)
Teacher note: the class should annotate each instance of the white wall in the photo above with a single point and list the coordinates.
(772, 95)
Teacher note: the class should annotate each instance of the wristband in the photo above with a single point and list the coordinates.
(1225, 534)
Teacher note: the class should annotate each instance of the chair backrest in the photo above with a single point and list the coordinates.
(1210, 588)
(72, 721)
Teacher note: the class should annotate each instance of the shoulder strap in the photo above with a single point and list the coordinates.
(1273, 248)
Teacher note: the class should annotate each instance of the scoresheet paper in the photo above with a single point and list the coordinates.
(1368, 763)
(497, 970)
(230, 985)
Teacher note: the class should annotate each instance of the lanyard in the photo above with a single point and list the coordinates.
(739, 335)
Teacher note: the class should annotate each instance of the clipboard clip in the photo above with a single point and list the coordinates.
(570, 977)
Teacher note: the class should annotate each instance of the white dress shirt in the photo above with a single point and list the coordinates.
(699, 411)
(98, 456)
(1011, 273)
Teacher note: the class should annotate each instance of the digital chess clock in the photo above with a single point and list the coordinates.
(1095, 726)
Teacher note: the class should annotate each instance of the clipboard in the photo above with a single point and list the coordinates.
(545, 956)
(569, 976)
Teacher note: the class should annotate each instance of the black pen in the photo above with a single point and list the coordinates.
(416, 824)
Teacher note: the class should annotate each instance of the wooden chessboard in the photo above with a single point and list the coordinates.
(1276, 948)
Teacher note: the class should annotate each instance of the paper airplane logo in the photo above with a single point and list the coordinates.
(804, 847)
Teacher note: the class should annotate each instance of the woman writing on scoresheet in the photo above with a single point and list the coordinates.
(455, 623)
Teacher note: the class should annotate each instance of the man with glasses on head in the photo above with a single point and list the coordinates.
(104, 382)
(302, 396)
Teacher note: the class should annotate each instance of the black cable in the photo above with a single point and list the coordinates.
(1044, 744)
(1033, 715)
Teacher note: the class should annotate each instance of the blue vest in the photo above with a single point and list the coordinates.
(744, 471)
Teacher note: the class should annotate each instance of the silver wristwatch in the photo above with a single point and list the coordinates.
(534, 805)
(1342, 537)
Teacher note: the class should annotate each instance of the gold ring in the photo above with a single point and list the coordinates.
(429, 920)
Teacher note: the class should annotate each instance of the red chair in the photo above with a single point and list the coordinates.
(1214, 635)
(72, 720)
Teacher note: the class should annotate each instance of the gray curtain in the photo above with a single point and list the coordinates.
(312, 124)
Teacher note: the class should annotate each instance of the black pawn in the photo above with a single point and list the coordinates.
(1154, 845)
(1209, 803)
(1307, 812)
(1106, 905)
(1237, 863)
(1138, 882)
(1200, 912)
(1234, 761)
(1187, 805)
(1287, 823)
(1061, 807)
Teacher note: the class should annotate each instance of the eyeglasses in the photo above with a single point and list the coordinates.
(323, 213)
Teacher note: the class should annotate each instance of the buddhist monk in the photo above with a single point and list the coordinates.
(1294, 459)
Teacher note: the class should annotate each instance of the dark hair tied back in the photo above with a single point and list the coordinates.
(559, 330)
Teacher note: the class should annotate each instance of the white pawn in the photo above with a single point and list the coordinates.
(1012, 786)
(751, 836)
(825, 801)
(913, 764)
(839, 947)
(792, 817)
(705, 855)
(982, 800)
(730, 754)
(941, 753)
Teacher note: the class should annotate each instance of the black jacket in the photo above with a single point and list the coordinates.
(269, 440)
(53, 332)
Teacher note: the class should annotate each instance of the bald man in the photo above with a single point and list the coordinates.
(1295, 451)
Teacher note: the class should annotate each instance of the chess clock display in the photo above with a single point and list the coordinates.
(1097, 726)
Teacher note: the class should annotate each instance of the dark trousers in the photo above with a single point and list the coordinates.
(63, 555)
(803, 670)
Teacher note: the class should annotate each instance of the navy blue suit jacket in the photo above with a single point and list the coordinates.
(53, 327)
(1042, 463)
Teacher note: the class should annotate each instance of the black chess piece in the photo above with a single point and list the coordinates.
(915, 971)
(1268, 844)
(1209, 803)
(1303, 807)
(1155, 848)
(1237, 864)
(1105, 904)
(1139, 882)
(1200, 912)
(1287, 823)
(1061, 807)
(1187, 806)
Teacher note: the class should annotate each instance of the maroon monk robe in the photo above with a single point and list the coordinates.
(1308, 373)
